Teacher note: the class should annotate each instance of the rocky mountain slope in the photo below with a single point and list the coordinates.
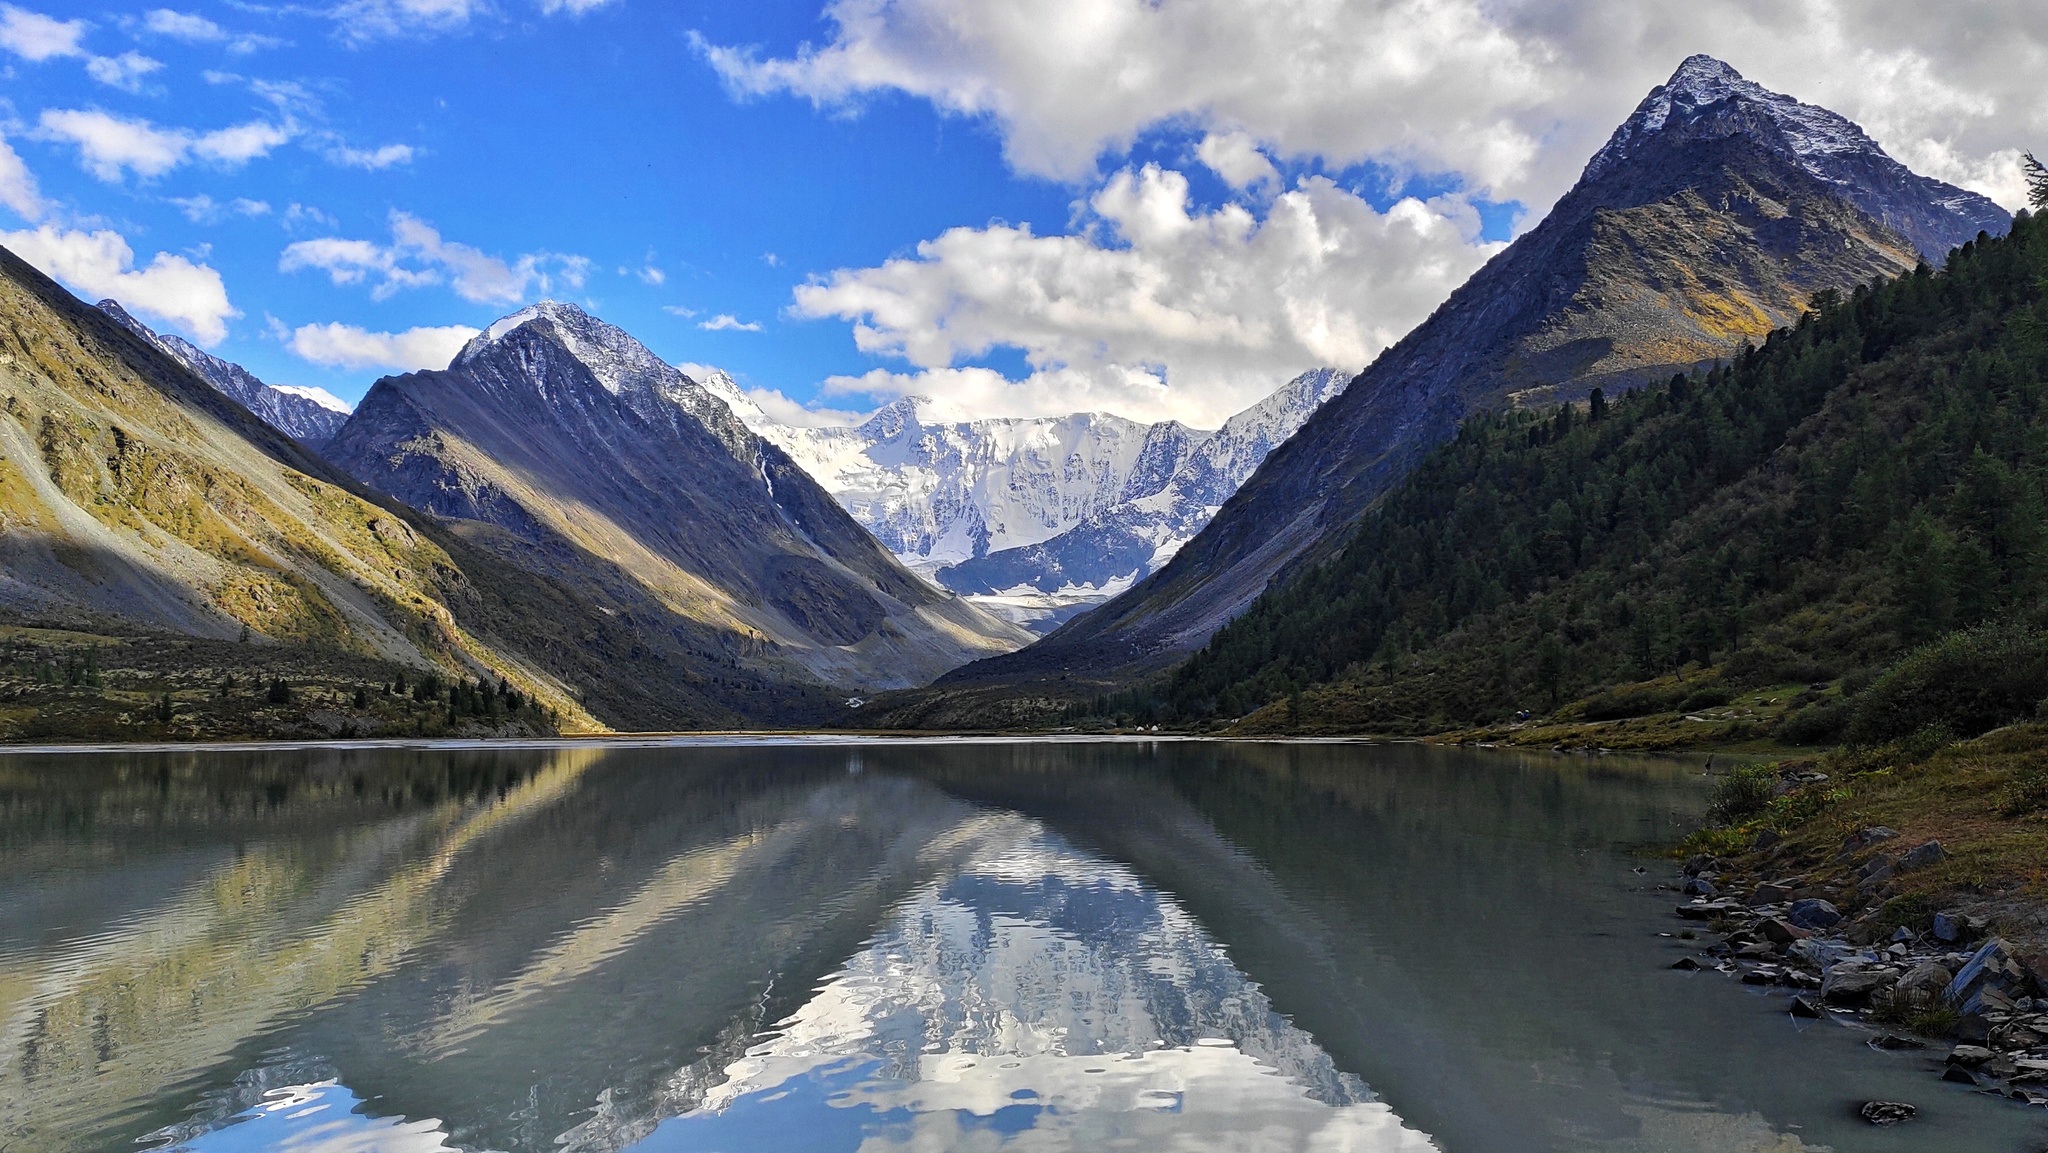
(1036, 519)
(137, 500)
(307, 417)
(1715, 214)
(562, 445)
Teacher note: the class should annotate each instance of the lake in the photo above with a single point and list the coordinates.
(815, 945)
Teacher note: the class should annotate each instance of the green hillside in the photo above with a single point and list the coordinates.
(1865, 482)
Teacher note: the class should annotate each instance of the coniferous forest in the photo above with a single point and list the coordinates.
(1864, 483)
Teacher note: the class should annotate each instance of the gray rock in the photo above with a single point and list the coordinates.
(1969, 1056)
(1991, 970)
(1814, 913)
(1921, 856)
(1924, 984)
(1886, 1112)
(1780, 932)
(1700, 887)
(1846, 986)
(1955, 928)
(1808, 1008)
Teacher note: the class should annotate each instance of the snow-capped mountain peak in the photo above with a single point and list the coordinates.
(1034, 516)
(1706, 97)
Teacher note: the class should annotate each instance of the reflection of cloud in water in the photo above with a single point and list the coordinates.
(1045, 997)
(320, 1117)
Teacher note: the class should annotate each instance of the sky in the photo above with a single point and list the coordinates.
(1161, 208)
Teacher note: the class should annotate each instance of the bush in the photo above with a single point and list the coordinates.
(1772, 665)
(1744, 793)
(1969, 682)
(1820, 723)
(1711, 697)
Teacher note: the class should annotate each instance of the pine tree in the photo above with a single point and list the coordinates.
(2037, 181)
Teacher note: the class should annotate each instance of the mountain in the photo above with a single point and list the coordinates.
(1863, 483)
(306, 415)
(138, 501)
(562, 445)
(1715, 214)
(1036, 519)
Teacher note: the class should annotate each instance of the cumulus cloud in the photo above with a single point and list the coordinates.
(36, 37)
(124, 71)
(1157, 308)
(97, 264)
(109, 145)
(347, 346)
(571, 7)
(1235, 156)
(418, 255)
(1512, 97)
(727, 322)
(18, 189)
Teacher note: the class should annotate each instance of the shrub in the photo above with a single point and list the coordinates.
(1968, 682)
(1632, 701)
(1820, 723)
(1744, 793)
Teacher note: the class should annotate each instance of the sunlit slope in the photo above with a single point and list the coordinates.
(135, 496)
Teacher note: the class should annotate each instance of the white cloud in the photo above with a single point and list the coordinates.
(1156, 309)
(204, 209)
(18, 189)
(110, 145)
(298, 215)
(679, 310)
(35, 37)
(418, 256)
(652, 276)
(362, 20)
(124, 71)
(1235, 156)
(373, 159)
(196, 29)
(317, 395)
(172, 288)
(727, 322)
(347, 346)
(1512, 97)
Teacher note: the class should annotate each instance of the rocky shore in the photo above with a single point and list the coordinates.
(1828, 936)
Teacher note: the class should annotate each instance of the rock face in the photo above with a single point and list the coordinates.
(564, 446)
(1712, 216)
(1036, 518)
(297, 414)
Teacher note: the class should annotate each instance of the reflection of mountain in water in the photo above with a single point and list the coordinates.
(1057, 997)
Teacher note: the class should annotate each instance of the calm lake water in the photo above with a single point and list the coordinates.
(892, 946)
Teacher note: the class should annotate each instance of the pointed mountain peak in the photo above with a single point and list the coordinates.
(122, 317)
(1706, 99)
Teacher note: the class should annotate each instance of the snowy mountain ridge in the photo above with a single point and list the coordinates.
(310, 416)
(1035, 517)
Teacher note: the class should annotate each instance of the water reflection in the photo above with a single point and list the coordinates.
(927, 946)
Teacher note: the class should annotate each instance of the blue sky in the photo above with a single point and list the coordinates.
(1016, 205)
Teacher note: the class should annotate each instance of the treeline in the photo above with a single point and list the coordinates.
(1862, 483)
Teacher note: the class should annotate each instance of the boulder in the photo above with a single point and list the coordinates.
(1807, 1007)
(1847, 986)
(1700, 887)
(1814, 914)
(1781, 932)
(1992, 969)
(1920, 856)
(1700, 863)
(1969, 1056)
(1924, 984)
(1882, 863)
(1773, 893)
(1955, 928)
(1886, 1112)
